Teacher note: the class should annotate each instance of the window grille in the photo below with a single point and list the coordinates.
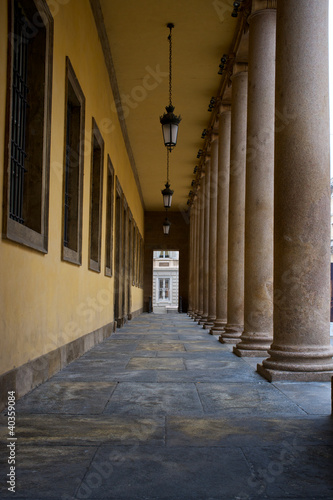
(19, 112)
(68, 164)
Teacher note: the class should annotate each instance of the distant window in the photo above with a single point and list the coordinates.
(164, 288)
(28, 125)
(141, 262)
(96, 195)
(133, 252)
(109, 220)
(164, 254)
(73, 171)
(137, 257)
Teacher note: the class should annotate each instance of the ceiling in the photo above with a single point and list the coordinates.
(138, 37)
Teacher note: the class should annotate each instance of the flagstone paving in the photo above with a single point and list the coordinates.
(162, 411)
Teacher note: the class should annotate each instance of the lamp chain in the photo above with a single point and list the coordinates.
(168, 166)
(170, 66)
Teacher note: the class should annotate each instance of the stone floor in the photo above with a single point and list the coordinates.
(162, 410)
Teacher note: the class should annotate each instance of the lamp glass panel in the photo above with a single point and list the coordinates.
(174, 133)
(167, 199)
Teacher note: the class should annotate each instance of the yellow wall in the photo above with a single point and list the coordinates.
(45, 302)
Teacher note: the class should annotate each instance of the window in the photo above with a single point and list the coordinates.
(164, 289)
(27, 160)
(109, 220)
(137, 257)
(133, 253)
(140, 270)
(73, 171)
(96, 194)
(142, 262)
(164, 254)
(130, 250)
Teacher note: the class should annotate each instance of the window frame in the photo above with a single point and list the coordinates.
(95, 265)
(109, 219)
(163, 289)
(68, 254)
(13, 230)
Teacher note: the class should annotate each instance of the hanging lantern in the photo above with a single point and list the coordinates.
(167, 192)
(170, 124)
(169, 120)
(167, 195)
(166, 226)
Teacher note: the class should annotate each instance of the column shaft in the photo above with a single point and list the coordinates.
(301, 344)
(222, 222)
(201, 246)
(190, 267)
(235, 320)
(212, 234)
(259, 208)
(197, 264)
(195, 288)
(206, 246)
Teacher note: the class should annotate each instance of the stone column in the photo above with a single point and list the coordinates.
(190, 285)
(301, 344)
(197, 263)
(222, 221)
(235, 319)
(259, 206)
(195, 260)
(206, 245)
(212, 232)
(201, 245)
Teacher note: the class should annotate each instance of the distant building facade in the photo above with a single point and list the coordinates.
(165, 281)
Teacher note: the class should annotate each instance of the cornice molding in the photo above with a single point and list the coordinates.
(100, 25)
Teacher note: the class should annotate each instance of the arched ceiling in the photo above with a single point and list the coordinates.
(137, 35)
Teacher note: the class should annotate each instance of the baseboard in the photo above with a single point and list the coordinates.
(28, 376)
(136, 313)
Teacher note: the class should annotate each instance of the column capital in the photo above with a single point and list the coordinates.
(214, 132)
(263, 5)
(224, 108)
(239, 68)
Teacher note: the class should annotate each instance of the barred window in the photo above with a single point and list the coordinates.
(96, 196)
(28, 123)
(73, 171)
(109, 220)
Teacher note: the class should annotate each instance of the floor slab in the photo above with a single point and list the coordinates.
(155, 473)
(76, 398)
(162, 411)
(137, 363)
(154, 399)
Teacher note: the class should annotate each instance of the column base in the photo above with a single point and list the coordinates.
(203, 320)
(253, 345)
(231, 334)
(312, 363)
(253, 353)
(275, 375)
(198, 316)
(218, 327)
(209, 323)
